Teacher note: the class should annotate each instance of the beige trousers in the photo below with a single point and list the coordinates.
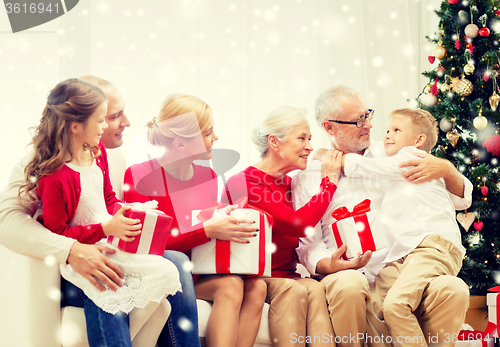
(347, 293)
(298, 314)
(419, 298)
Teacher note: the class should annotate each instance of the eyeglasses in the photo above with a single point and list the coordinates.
(361, 120)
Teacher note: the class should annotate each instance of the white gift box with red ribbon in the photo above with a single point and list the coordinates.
(360, 230)
(493, 302)
(155, 229)
(223, 257)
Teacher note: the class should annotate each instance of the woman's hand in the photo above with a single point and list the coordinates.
(332, 164)
(122, 227)
(224, 227)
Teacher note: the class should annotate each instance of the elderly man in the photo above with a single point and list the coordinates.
(89, 260)
(355, 305)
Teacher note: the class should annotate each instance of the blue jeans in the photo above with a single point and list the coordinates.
(107, 330)
(103, 329)
(182, 324)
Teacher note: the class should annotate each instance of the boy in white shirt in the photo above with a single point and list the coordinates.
(424, 238)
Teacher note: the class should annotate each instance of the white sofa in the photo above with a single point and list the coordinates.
(31, 316)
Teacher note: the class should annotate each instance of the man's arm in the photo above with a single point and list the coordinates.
(430, 168)
(20, 233)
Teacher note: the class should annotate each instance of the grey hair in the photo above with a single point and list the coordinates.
(328, 105)
(279, 123)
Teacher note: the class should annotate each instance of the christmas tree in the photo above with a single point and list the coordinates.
(463, 96)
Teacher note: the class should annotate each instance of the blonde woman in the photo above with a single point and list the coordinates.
(184, 128)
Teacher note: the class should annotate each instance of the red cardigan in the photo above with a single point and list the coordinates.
(60, 194)
(274, 195)
(148, 181)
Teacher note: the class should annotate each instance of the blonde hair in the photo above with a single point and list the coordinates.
(279, 123)
(196, 115)
(424, 123)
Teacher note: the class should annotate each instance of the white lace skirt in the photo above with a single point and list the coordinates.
(145, 278)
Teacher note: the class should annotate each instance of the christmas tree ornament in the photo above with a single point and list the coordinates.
(464, 87)
(445, 125)
(444, 88)
(486, 76)
(466, 219)
(480, 122)
(440, 51)
(471, 30)
(457, 44)
(427, 89)
(452, 2)
(434, 88)
(484, 190)
(469, 69)
(492, 144)
(494, 99)
(478, 226)
(428, 99)
(484, 32)
(431, 59)
(453, 137)
(497, 13)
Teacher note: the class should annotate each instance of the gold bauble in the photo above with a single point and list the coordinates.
(453, 137)
(440, 52)
(427, 89)
(494, 99)
(469, 69)
(444, 88)
(480, 122)
(464, 87)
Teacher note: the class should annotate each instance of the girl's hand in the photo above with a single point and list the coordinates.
(224, 227)
(122, 227)
(332, 164)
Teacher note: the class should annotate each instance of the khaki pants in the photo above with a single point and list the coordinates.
(298, 313)
(419, 298)
(347, 293)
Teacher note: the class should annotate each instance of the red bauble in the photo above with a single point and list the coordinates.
(453, 2)
(497, 13)
(492, 144)
(457, 44)
(478, 226)
(484, 190)
(431, 59)
(486, 76)
(484, 32)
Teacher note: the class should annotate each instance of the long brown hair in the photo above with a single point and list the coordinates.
(72, 100)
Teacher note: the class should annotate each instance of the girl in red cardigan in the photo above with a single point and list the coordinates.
(184, 128)
(69, 172)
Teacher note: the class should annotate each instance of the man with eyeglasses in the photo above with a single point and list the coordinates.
(342, 113)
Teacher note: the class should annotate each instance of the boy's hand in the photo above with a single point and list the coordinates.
(122, 227)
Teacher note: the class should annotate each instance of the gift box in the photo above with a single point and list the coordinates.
(493, 302)
(227, 257)
(155, 229)
(360, 230)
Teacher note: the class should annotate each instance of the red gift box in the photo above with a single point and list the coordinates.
(224, 257)
(155, 229)
(360, 230)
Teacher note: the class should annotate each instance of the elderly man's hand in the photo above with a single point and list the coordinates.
(90, 262)
(425, 169)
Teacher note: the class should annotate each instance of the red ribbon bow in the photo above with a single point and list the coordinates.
(359, 209)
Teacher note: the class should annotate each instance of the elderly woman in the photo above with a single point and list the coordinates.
(297, 305)
(185, 129)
